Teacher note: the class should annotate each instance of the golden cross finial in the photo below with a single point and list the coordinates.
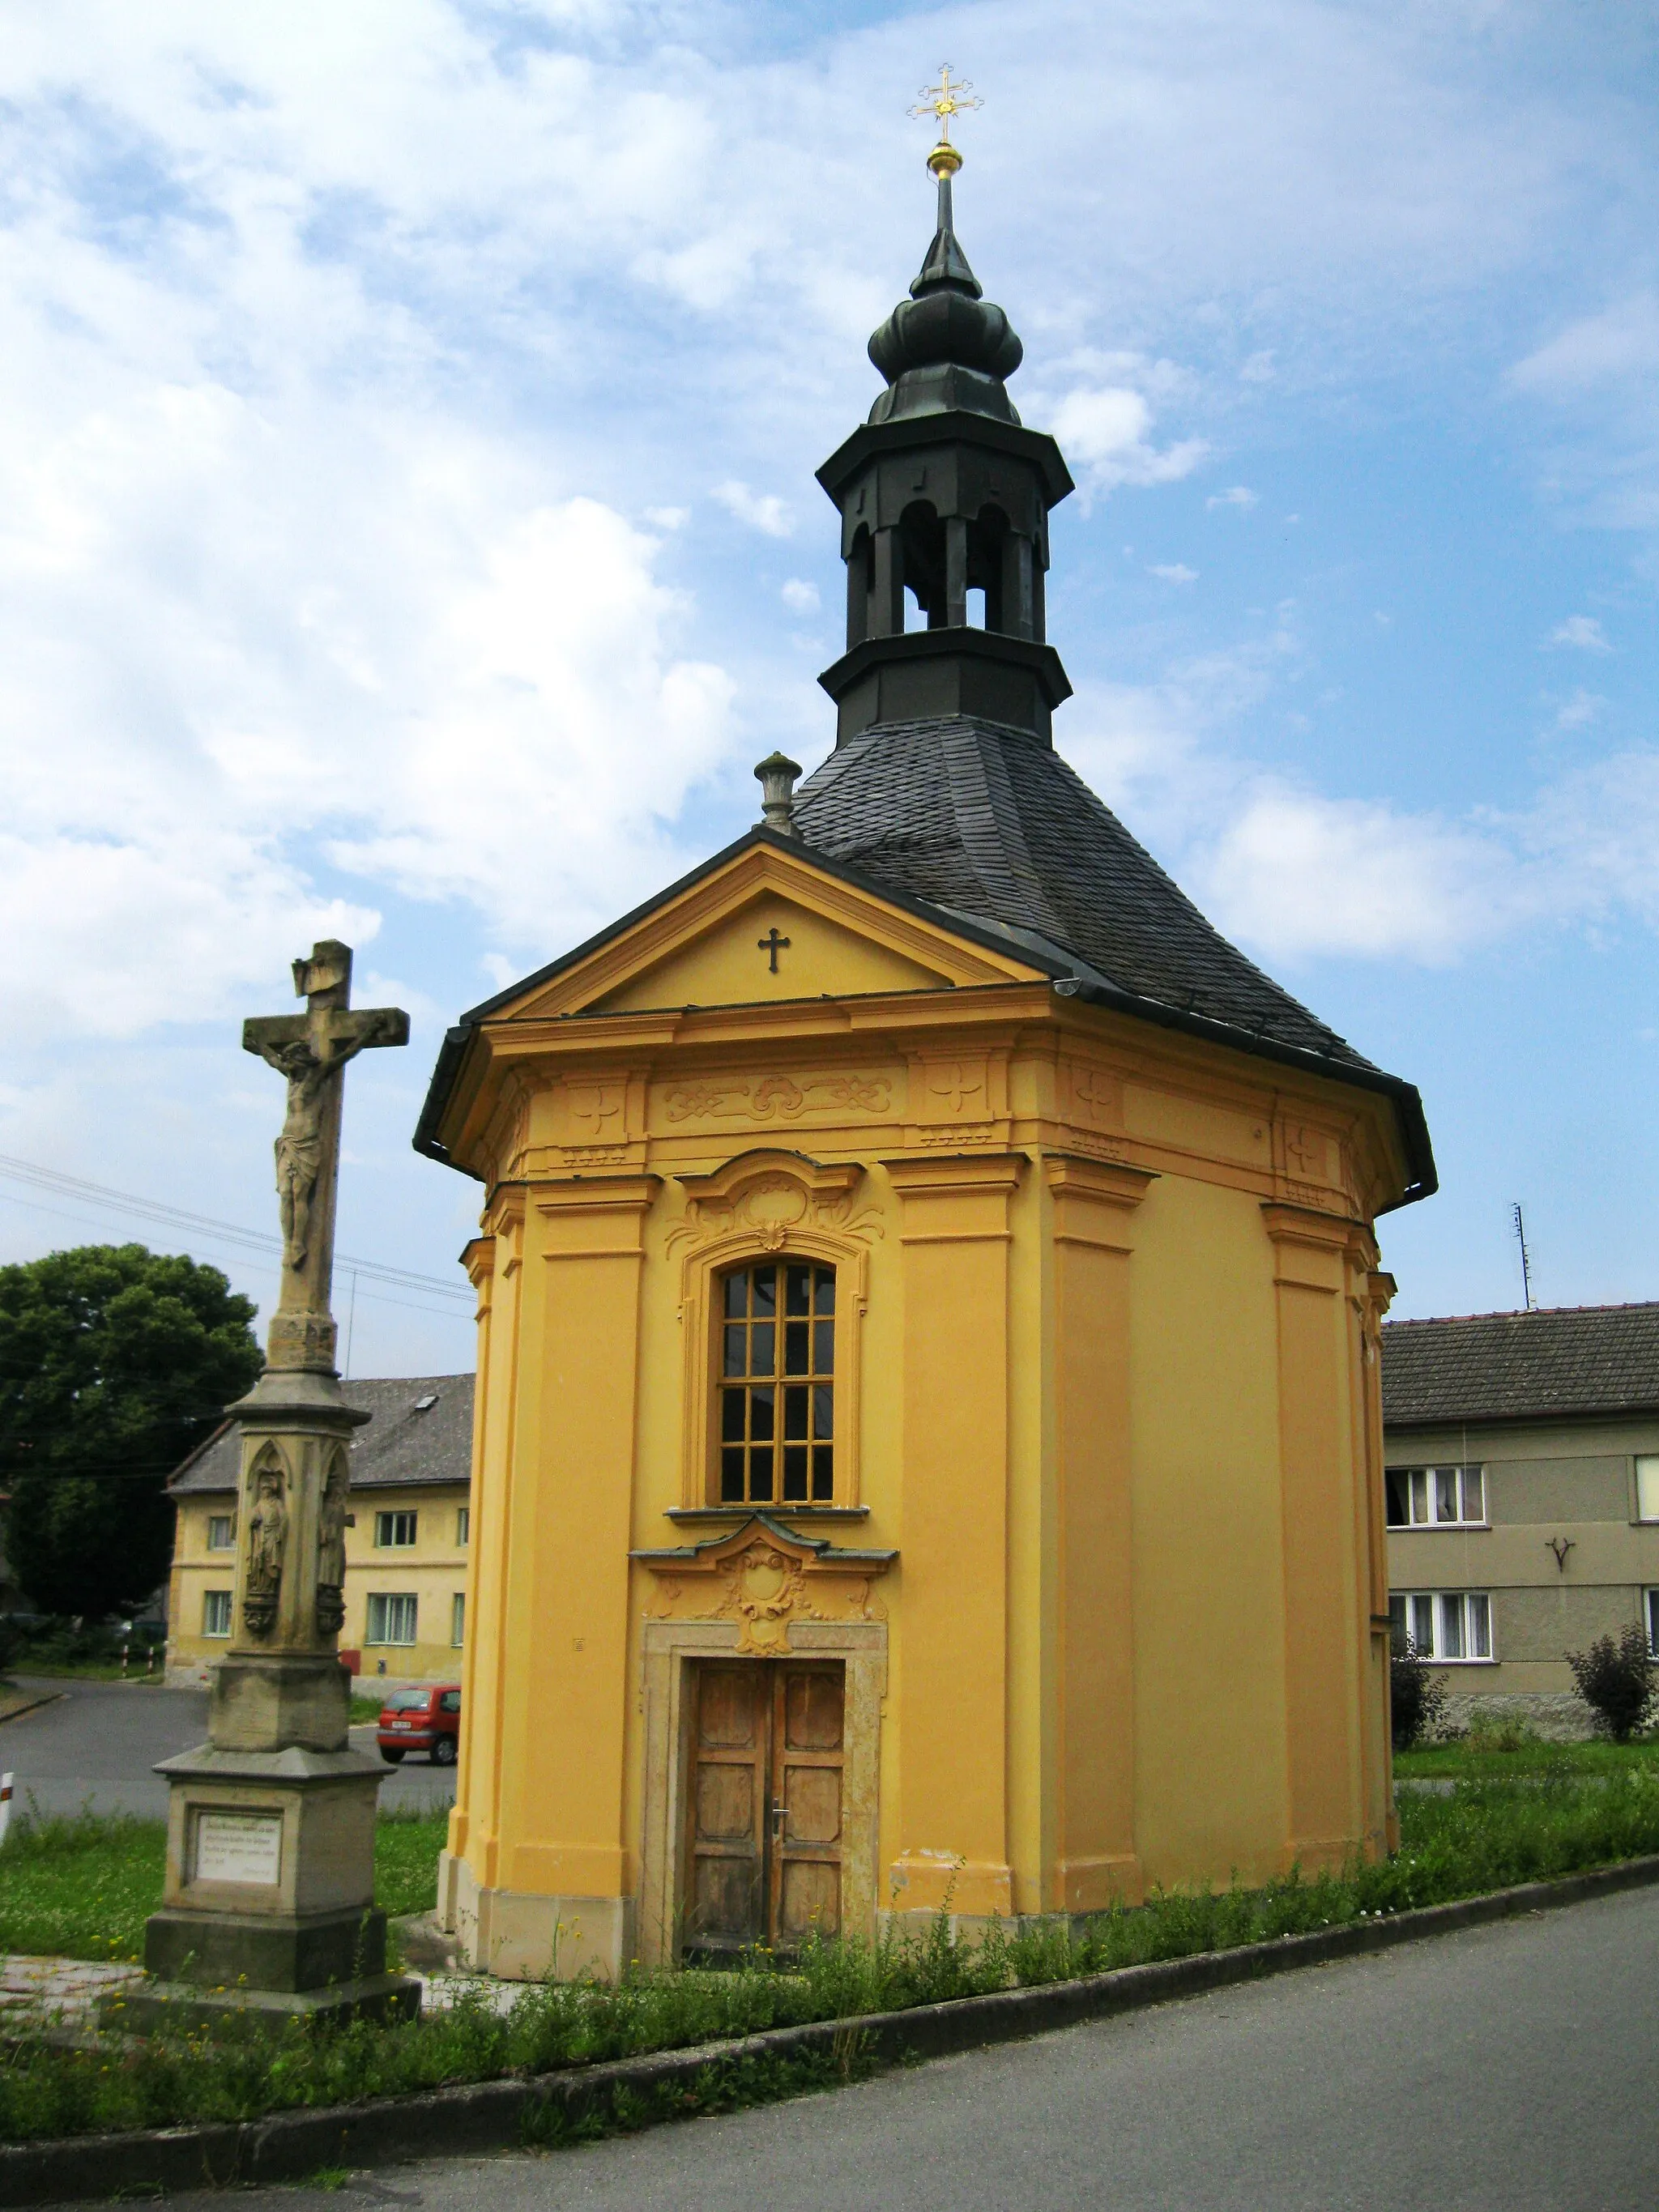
(946, 99)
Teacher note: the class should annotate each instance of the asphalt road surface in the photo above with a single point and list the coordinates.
(1512, 2067)
(96, 1742)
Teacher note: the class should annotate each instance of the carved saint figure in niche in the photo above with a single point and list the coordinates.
(267, 1538)
(331, 1550)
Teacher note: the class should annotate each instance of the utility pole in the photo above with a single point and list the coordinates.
(1526, 1258)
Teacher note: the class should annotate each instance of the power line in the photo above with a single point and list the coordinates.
(225, 1232)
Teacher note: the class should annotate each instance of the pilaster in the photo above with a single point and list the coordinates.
(1323, 1636)
(955, 1236)
(1093, 1208)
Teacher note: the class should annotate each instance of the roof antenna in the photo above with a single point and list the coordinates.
(1526, 1257)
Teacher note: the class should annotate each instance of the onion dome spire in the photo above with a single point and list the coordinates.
(947, 346)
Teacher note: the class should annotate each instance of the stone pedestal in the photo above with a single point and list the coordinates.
(269, 1908)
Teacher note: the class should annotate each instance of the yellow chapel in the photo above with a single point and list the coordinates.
(928, 1446)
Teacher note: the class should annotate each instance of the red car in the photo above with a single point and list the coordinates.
(422, 1720)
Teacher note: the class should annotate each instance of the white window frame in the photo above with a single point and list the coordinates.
(215, 1606)
(1460, 1617)
(463, 1524)
(386, 1612)
(458, 1619)
(1427, 1488)
(389, 1534)
(1647, 1485)
(226, 1521)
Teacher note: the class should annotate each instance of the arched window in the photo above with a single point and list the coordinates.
(777, 1388)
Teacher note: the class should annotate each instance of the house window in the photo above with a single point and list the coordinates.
(394, 1531)
(215, 1612)
(777, 1384)
(1436, 1497)
(458, 1618)
(1442, 1624)
(1647, 1485)
(221, 1532)
(1652, 1610)
(463, 1524)
(391, 1617)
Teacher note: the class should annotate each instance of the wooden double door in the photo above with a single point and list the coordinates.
(764, 1803)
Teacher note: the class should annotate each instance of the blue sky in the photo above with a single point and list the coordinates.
(408, 532)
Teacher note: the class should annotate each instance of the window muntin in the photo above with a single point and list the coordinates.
(1444, 1626)
(458, 1618)
(777, 1364)
(463, 1524)
(391, 1616)
(221, 1532)
(1436, 1497)
(395, 1532)
(215, 1612)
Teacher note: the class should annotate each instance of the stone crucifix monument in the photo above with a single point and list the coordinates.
(269, 1904)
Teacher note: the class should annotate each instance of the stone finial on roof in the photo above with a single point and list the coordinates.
(777, 775)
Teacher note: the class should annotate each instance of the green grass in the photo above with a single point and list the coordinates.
(1474, 1758)
(82, 1887)
(366, 1709)
(1547, 1821)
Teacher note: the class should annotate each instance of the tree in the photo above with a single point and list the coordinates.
(1615, 1681)
(115, 1362)
(1417, 1699)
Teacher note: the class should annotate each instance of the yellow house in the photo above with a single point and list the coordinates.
(407, 1538)
(928, 1447)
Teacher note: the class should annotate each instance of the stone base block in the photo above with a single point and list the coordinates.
(523, 1936)
(266, 1950)
(265, 1705)
(159, 2007)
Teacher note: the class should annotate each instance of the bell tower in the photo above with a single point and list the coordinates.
(944, 494)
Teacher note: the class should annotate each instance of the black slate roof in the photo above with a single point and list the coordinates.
(991, 822)
(406, 1443)
(1513, 1367)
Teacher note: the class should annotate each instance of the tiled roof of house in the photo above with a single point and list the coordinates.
(422, 1432)
(987, 822)
(1511, 1366)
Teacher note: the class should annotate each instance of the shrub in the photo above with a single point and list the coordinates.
(1489, 1732)
(1615, 1681)
(1417, 1699)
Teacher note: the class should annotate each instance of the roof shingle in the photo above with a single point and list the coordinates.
(1511, 1366)
(405, 1443)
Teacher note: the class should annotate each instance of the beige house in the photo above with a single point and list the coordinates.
(406, 1541)
(1523, 1480)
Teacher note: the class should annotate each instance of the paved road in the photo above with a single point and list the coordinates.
(97, 1742)
(1513, 2066)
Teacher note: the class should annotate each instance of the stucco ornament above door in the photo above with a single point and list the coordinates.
(763, 1577)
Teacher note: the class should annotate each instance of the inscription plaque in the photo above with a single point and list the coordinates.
(238, 1847)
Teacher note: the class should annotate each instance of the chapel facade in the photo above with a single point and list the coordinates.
(928, 1450)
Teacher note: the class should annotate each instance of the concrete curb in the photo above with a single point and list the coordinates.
(29, 1706)
(491, 2115)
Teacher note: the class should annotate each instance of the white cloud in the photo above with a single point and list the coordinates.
(1581, 630)
(1106, 430)
(800, 595)
(1238, 495)
(762, 511)
(1580, 711)
(1176, 572)
(1259, 368)
(1621, 342)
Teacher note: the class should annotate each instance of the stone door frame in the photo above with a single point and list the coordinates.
(670, 1647)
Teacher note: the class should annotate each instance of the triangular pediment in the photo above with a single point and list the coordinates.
(770, 923)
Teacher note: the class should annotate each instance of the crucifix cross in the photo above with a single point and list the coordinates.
(946, 99)
(773, 944)
(312, 1049)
